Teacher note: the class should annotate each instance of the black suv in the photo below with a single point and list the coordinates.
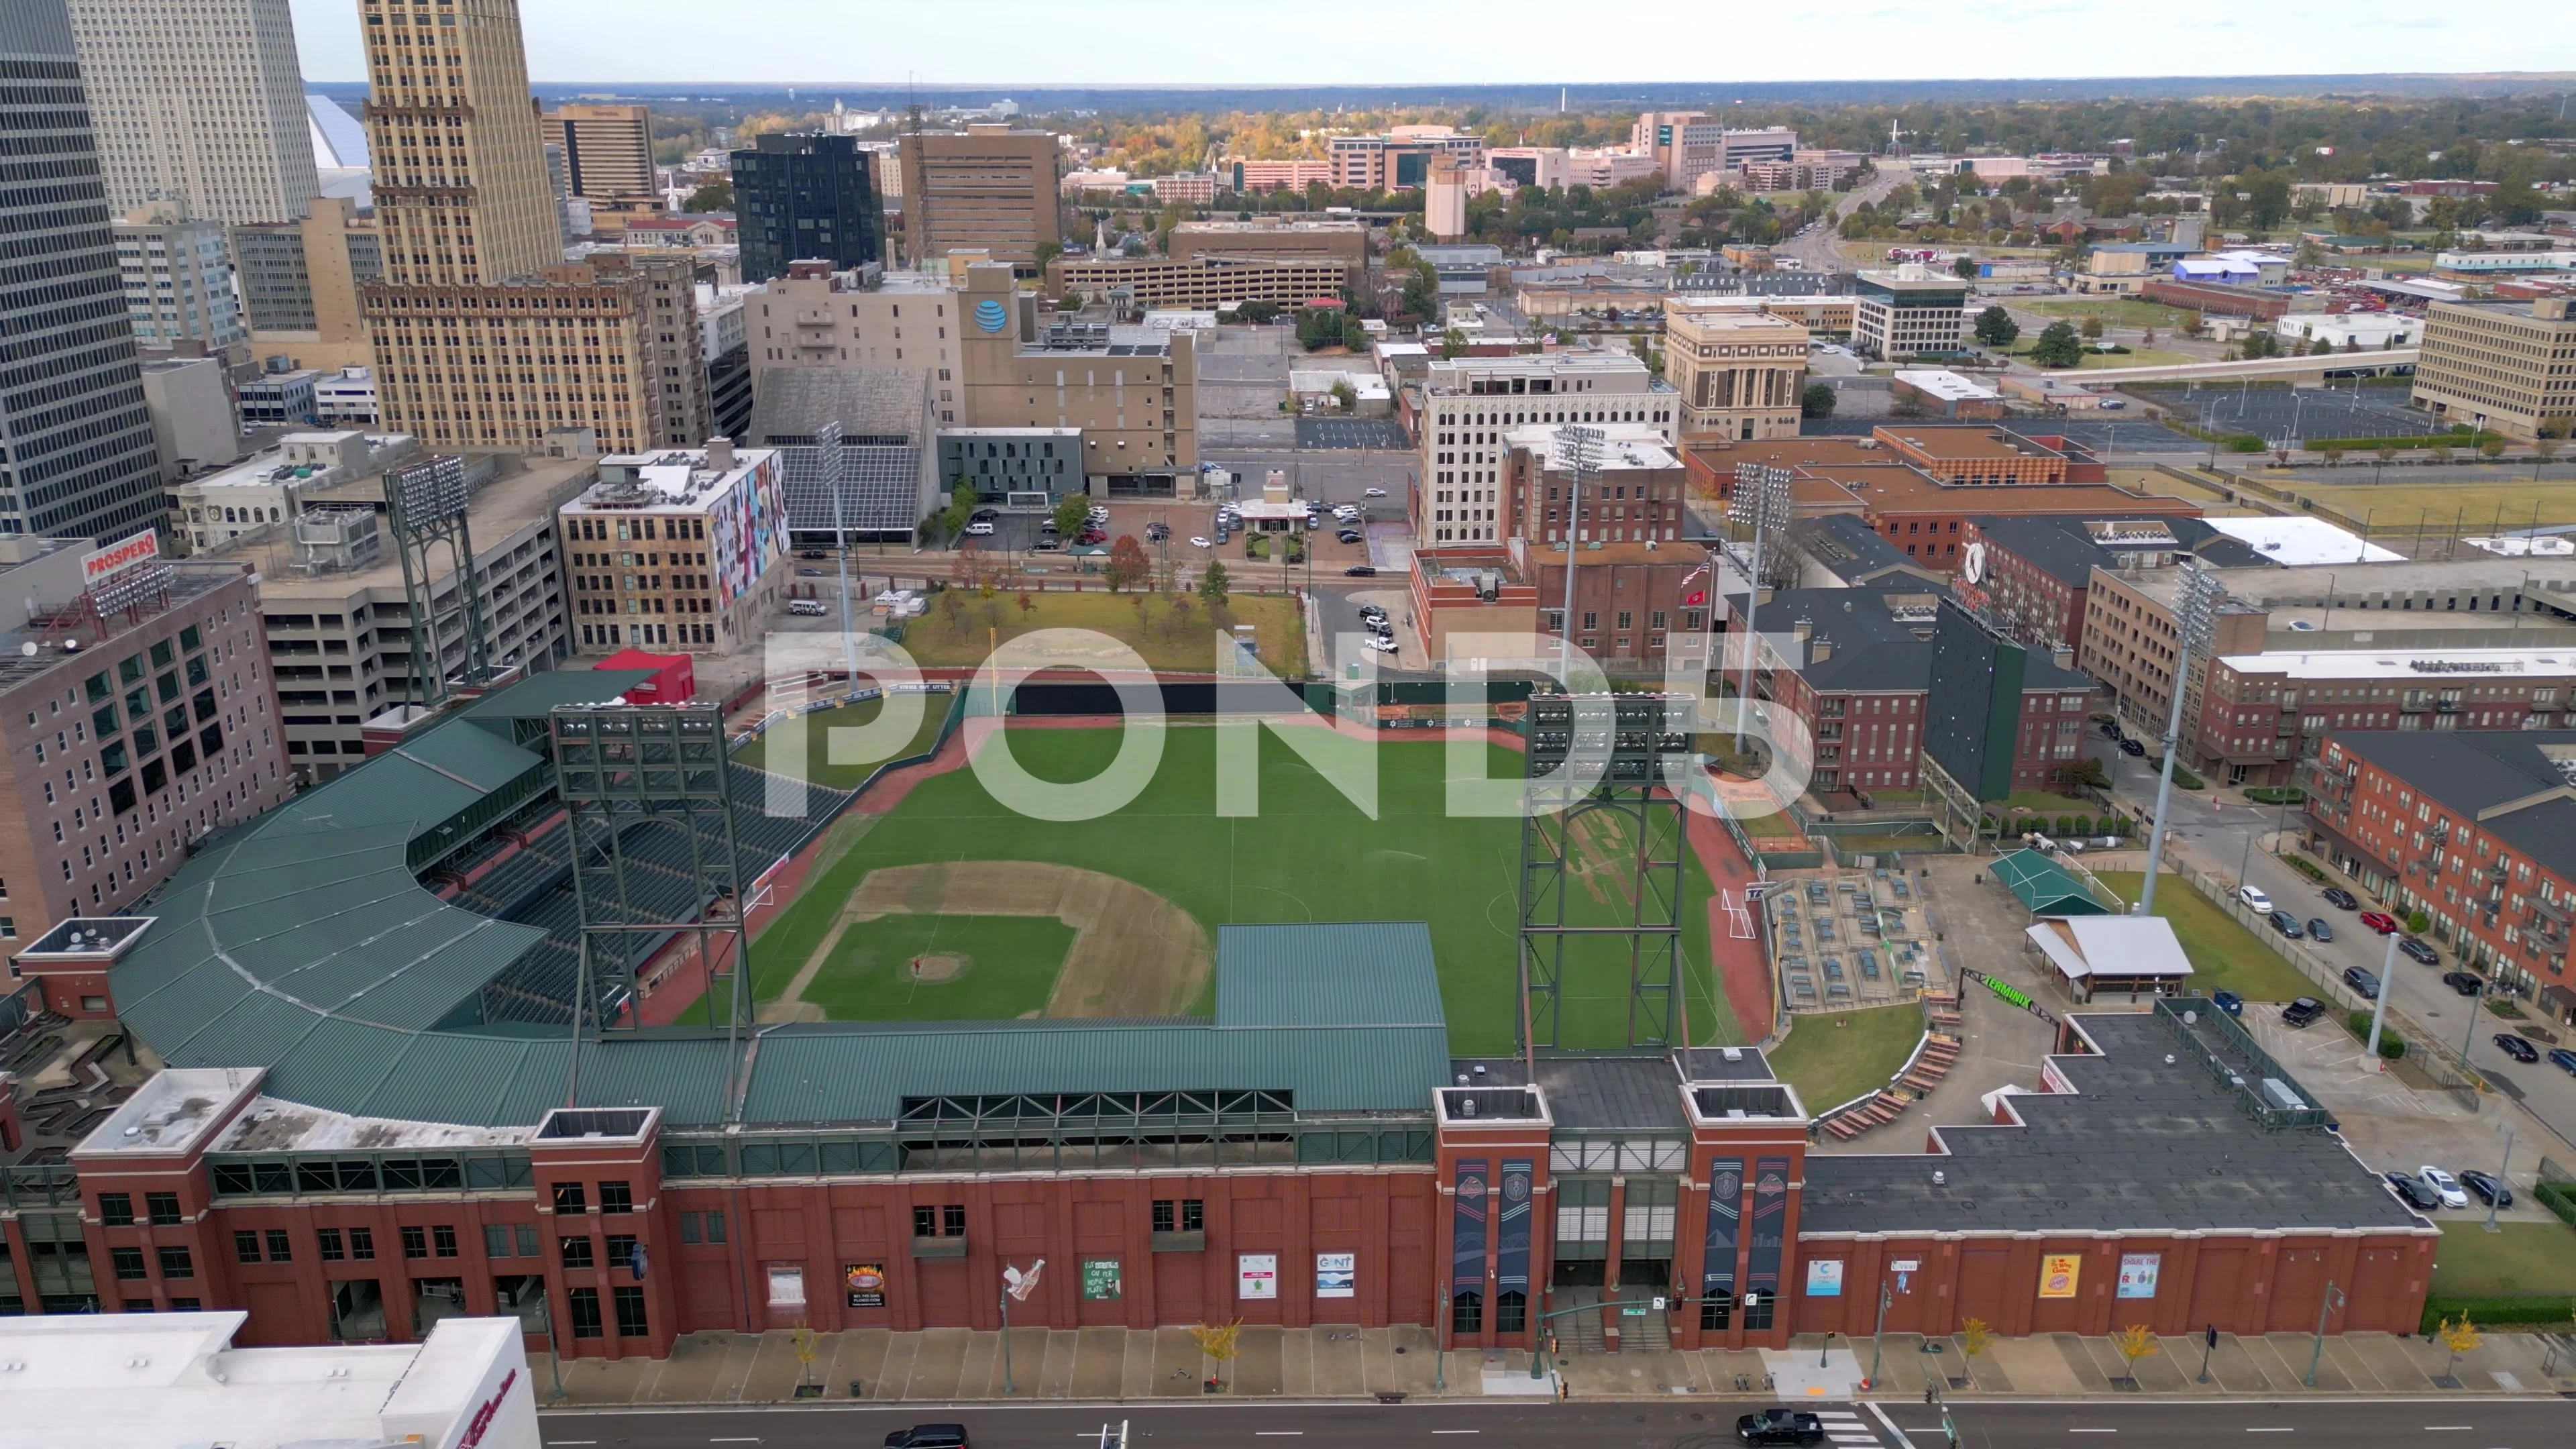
(1780, 1426)
(2341, 899)
(2412, 1191)
(2302, 1011)
(928, 1436)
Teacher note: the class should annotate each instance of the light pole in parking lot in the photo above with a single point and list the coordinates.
(2502, 1167)
(2379, 1008)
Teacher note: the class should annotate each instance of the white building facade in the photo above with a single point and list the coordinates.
(199, 103)
(1470, 403)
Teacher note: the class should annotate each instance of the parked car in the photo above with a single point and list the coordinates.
(812, 553)
(2302, 1012)
(2110, 729)
(2228, 1001)
(2254, 899)
(1157, 532)
(1360, 571)
(1380, 643)
(2380, 921)
(973, 530)
(1047, 545)
(2364, 982)
(981, 515)
(2516, 1048)
(2285, 923)
(2445, 1186)
(2411, 1191)
(2563, 1059)
(2463, 983)
(2341, 899)
(1348, 535)
(928, 1436)
(2318, 930)
(2132, 747)
(1780, 1426)
(1372, 611)
(1197, 541)
(1372, 493)
(2488, 1187)
(2414, 948)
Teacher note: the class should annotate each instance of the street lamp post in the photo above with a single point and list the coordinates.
(2326, 1306)
(1016, 1285)
(1878, 1332)
(2379, 1006)
(2501, 1169)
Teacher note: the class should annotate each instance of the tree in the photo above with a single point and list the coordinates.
(2134, 1343)
(1452, 342)
(2267, 200)
(2319, 347)
(2092, 328)
(807, 1347)
(1975, 1337)
(1127, 563)
(1256, 312)
(1217, 1342)
(2191, 324)
(2333, 449)
(714, 196)
(1345, 397)
(1027, 604)
(2147, 338)
(2459, 1338)
(1817, 401)
(1048, 251)
(961, 508)
(1996, 328)
(1071, 512)
(2491, 449)
(1212, 587)
(2385, 453)
(2057, 346)
(1965, 268)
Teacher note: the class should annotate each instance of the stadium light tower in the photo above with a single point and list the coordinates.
(1579, 451)
(1761, 504)
(2196, 602)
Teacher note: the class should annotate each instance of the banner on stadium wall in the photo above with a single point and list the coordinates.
(1512, 1229)
(2058, 1274)
(1725, 1219)
(1770, 1220)
(1467, 1229)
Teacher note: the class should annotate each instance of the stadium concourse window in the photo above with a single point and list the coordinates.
(294, 1177)
(702, 1227)
(1182, 1215)
(616, 1197)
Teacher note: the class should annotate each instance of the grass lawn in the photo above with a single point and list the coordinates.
(2114, 311)
(1010, 966)
(820, 726)
(1309, 855)
(1833, 1057)
(1168, 637)
(2136, 357)
(2518, 1258)
(2394, 509)
(2040, 802)
(2224, 955)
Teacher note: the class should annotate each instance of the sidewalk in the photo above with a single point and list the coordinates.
(951, 1365)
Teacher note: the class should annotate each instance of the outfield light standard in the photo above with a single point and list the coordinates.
(2197, 597)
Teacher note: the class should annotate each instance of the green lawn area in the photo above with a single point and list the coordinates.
(2114, 311)
(2136, 357)
(1833, 1057)
(1309, 855)
(1167, 635)
(2517, 1258)
(1010, 966)
(2393, 510)
(2224, 955)
(819, 729)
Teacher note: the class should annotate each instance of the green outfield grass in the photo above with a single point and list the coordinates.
(1309, 855)
(1011, 965)
(818, 734)
(1165, 636)
(2114, 311)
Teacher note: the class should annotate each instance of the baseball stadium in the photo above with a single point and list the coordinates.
(1259, 1067)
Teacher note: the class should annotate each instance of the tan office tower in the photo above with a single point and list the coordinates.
(199, 103)
(989, 188)
(608, 155)
(483, 336)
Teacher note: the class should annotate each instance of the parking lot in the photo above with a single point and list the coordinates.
(2314, 414)
(1382, 433)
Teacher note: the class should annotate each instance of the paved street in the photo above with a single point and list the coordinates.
(1704, 1424)
(2218, 835)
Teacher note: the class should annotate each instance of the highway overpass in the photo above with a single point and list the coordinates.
(2297, 371)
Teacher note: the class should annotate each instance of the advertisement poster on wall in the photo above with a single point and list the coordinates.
(2057, 1274)
(1824, 1277)
(2138, 1274)
(1099, 1279)
(1256, 1275)
(1336, 1275)
(786, 1285)
(866, 1282)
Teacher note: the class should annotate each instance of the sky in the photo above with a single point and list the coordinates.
(1435, 42)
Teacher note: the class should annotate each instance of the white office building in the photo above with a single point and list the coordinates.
(179, 284)
(1470, 403)
(199, 103)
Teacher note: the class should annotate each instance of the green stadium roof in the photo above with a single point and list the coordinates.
(304, 943)
(2047, 888)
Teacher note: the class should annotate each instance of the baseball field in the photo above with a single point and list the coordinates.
(952, 906)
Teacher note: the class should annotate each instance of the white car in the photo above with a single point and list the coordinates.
(2444, 1186)
(1386, 646)
(1372, 493)
(979, 530)
(808, 607)
(2254, 899)
(1197, 542)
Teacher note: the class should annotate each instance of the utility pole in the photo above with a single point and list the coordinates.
(2196, 599)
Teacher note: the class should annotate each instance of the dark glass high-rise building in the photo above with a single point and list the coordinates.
(797, 198)
(76, 449)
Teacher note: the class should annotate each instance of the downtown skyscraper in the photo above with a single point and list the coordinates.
(79, 453)
(200, 104)
(484, 337)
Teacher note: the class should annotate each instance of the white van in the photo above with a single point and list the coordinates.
(809, 607)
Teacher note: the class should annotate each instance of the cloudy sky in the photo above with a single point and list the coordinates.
(1430, 42)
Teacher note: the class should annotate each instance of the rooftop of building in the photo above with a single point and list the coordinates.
(1959, 444)
(2301, 541)
(1845, 544)
(1447, 374)
(2276, 587)
(668, 478)
(1946, 385)
(494, 512)
(1187, 228)
(2424, 666)
(1630, 1094)
(2069, 548)
(1625, 447)
(171, 1380)
(265, 466)
(44, 640)
(1899, 282)
(794, 405)
(171, 1113)
(1100, 339)
(2149, 1139)
(2472, 772)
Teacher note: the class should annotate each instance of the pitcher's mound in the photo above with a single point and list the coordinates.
(938, 966)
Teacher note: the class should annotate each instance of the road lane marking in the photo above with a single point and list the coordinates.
(1278, 1433)
(2448, 1428)
(2092, 1431)
(2270, 1431)
(1881, 1415)
(1457, 1431)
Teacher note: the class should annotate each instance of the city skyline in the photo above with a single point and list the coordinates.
(1448, 41)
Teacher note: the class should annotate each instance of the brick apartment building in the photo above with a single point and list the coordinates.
(2473, 827)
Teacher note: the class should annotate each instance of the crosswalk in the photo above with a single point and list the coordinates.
(1848, 1430)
